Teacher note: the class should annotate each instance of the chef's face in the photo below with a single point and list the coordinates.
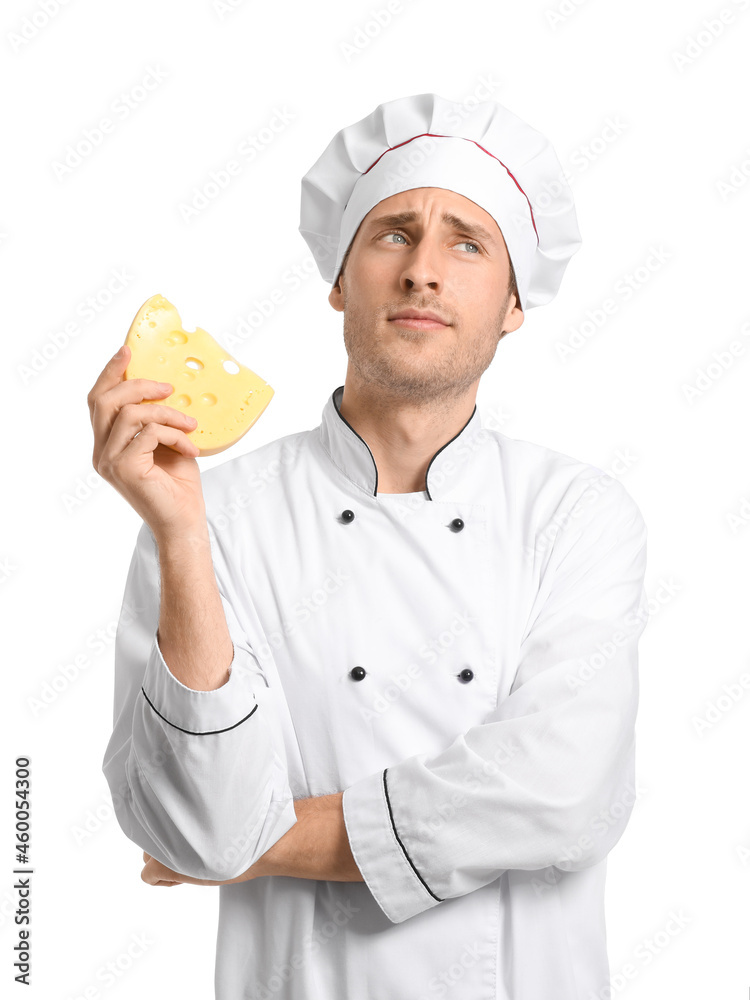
(449, 266)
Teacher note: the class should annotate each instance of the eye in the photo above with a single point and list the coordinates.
(477, 248)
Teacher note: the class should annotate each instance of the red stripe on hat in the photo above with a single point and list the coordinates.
(438, 136)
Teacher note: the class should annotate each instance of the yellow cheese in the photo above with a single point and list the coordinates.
(225, 397)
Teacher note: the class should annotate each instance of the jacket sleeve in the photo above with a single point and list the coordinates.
(547, 779)
(198, 778)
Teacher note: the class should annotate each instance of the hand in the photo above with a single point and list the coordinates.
(155, 873)
(144, 451)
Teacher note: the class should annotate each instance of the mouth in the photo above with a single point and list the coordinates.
(416, 319)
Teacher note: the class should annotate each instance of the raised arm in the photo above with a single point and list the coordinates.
(195, 766)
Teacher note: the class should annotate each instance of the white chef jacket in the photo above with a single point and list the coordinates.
(461, 662)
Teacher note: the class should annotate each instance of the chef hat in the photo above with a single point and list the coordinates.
(483, 152)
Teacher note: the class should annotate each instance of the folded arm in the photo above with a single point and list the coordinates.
(528, 788)
(316, 847)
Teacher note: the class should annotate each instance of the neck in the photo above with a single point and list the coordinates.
(403, 435)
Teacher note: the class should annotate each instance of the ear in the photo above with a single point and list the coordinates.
(336, 296)
(514, 315)
(514, 318)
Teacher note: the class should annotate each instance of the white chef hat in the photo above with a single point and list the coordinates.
(482, 151)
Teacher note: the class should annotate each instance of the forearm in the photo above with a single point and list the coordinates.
(193, 635)
(198, 776)
(317, 846)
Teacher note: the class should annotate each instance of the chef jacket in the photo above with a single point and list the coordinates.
(461, 662)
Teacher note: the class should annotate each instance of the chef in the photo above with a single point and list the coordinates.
(408, 784)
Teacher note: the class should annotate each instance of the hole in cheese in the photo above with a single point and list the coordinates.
(231, 367)
(175, 337)
(193, 363)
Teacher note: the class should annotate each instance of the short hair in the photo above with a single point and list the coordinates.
(346, 258)
(512, 285)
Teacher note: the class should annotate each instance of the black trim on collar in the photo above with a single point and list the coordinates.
(358, 435)
(390, 813)
(375, 464)
(426, 475)
(208, 732)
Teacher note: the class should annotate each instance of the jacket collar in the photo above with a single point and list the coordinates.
(352, 455)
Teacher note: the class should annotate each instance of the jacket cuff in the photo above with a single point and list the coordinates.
(397, 887)
(200, 713)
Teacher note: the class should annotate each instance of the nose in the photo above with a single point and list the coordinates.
(421, 269)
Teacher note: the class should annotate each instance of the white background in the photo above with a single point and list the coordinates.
(671, 175)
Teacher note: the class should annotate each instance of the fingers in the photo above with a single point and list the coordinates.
(161, 882)
(110, 391)
(136, 437)
(153, 871)
(111, 374)
(134, 418)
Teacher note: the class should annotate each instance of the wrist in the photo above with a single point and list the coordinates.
(185, 541)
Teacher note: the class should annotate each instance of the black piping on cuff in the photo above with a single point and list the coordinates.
(406, 854)
(208, 732)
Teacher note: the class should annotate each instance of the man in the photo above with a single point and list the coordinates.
(383, 683)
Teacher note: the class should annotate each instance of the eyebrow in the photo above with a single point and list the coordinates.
(472, 229)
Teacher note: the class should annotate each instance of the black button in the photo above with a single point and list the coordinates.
(457, 524)
(347, 515)
(357, 673)
(466, 674)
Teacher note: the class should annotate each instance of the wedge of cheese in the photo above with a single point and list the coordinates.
(225, 397)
